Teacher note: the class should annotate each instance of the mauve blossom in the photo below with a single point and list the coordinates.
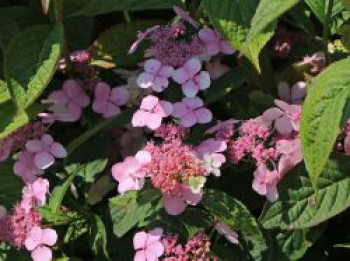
(67, 104)
(45, 151)
(265, 182)
(140, 37)
(38, 241)
(294, 94)
(155, 75)
(291, 155)
(108, 101)
(131, 172)
(26, 168)
(34, 194)
(191, 111)
(151, 112)
(148, 245)
(192, 78)
(214, 43)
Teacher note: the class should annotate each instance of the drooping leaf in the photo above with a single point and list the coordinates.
(30, 62)
(99, 238)
(299, 208)
(266, 14)
(128, 210)
(97, 7)
(318, 7)
(232, 18)
(10, 185)
(233, 213)
(321, 115)
(112, 45)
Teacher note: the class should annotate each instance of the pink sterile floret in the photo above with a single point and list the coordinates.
(227, 232)
(35, 194)
(148, 246)
(38, 241)
(184, 15)
(175, 202)
(108, 101)
(265, 182)
(140, 37)
(67, 104)
(45, 150)
(26, 168)
(192, 78)
(290, 151)
(214, 43)
(151, 112)
(294, 94)
(286, 117)
(155, 75)
(191, 111)
(131, 172)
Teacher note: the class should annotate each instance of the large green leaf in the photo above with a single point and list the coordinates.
(266, 15)
(318, 7)
(112, 45)
(233, 213)
(10, 185)
(233, 18)
(31, 60)
(97, 7)
(321, 115)
(98, 234)
(346, 3)
(128, 210)
(298, 207)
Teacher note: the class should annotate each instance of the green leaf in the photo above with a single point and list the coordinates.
(346, 245)
(112, 45)
(233, 213)
(344, 31)
(10, 185)
(131, 208)
(299, 208)
(57, 218)
(233, 18)
(318, 7)
(321, 115)
(99, 237)
(346, 3)
(97, 7)
(89, 170)
(30, 62)
(226, 84)
(266, 15)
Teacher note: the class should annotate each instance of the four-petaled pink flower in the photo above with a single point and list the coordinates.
(108, 101)
(151, 112)
(290, 151)
(131, 172)
(45, 150)
(191, 111)
(35, 194)
(286, 117)
(214, 43)
(176, 202)
(67, 104)
(265, 182)
(26, 168)
(294, 94)
(37, 243)
(148, 246)
(192, 78)
(155, 75)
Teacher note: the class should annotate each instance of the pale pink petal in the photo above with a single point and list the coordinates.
(126, 184)
(191, 198)
(193, 66)
(140, 256)
(140, 240)
(203, 115)
(207, 35)
(193, 103)
(72, 114)
(272, 193)
(181, 76)
(203, 80)
(166, 71)
(102, 91)
(33, 239)
(152, 66)
(213, 48)
(160, 84)
(174, 205)
(180, 109)
(43, 160)
(57, 97)
(157, 248)
(72, 88)
(226, 48)
(164, 109)
(82, 100)
(49, 237)
(298, 91)
(149, 102)
(111, 110)
(188, 120)
(272, 114)
(47, 139)
(139, 118)
(284, 126)
(145, 80)
(34, 146)
(118, 171)
(153, 121)
(99, 106)
(190, 89)
(57, 150)
(120, 96)
(154, 236)
(143, 156)
(42, 253)
(185, 16)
